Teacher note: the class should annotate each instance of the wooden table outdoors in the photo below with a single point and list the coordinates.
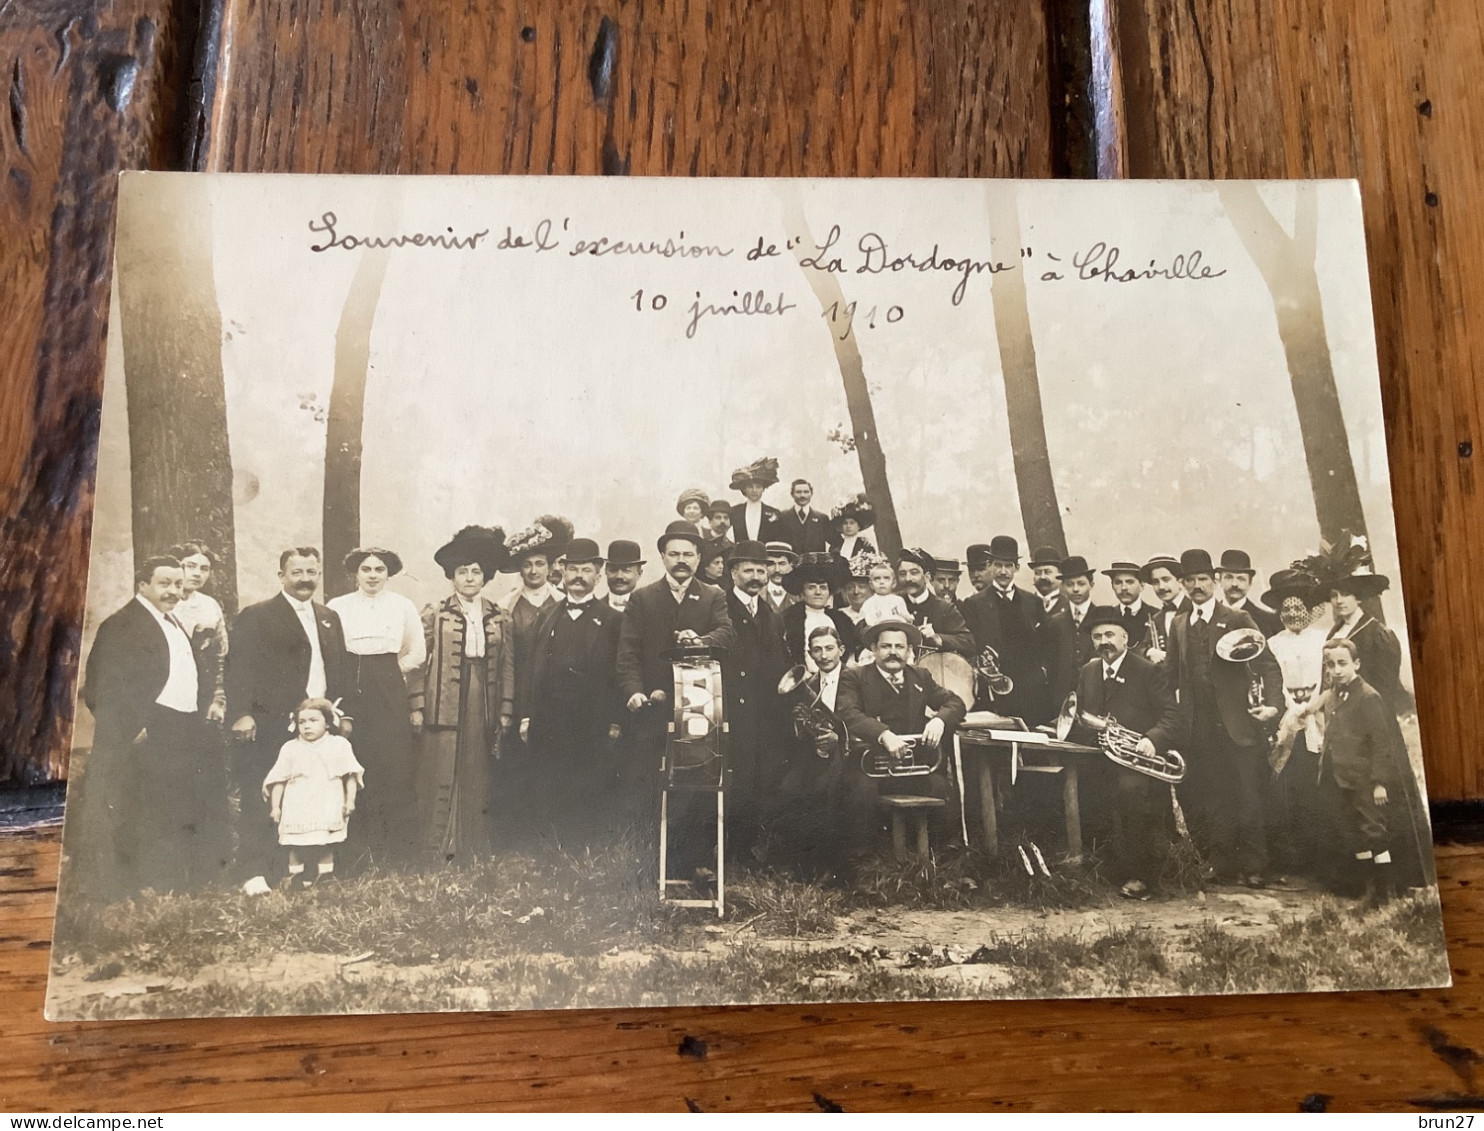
(1380, 89)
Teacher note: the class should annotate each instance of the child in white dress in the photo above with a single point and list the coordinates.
(311, 791)
(883, 604)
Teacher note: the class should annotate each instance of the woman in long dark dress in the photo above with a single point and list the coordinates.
(384, 639)
(463, 698)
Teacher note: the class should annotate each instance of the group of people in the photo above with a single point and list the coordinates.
(365, 728)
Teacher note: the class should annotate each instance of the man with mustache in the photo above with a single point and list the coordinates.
(1162, 574)
(879, 704)
(1235, 576)
(1224, 736)
(1003, 616)
(1139, 618)
(284, 650)
(1119, 683)
(155, 792)
(574, 700)
(678, 608)
(941, 625)
(622, 571)
(1045, 566)
(750, 674)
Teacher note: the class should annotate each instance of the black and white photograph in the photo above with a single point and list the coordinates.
(538, 593)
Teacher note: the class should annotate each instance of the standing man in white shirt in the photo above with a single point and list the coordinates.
(284, 650)
(153, 792)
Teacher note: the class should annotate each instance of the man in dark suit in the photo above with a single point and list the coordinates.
(155, 797)
(1045, 566)
(1066, 632)
(1139, 618)
(284, 650)
(574, 702)
(1003, 616)
(751, 670)
(941, 625)
(1118, 683)
(678, 608)
(814, 582)
(801, 526)
(621, 572)
(1235, 578)
(878, 705)
(1225, 738)
(947, 573)
(754, 520)
(1162, 574)
(781, 560)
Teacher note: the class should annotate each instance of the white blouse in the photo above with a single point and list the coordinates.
(387, 622)
(1300, 656)
(196, 610)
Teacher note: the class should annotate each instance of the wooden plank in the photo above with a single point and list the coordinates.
(1382, 90)
(668, 87)
(1368, 1051)
(91, 90)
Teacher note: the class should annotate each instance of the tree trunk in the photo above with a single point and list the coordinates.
(1039, 511)
(868, 447)
(1287, 267)
(180, 458)
(342, 511)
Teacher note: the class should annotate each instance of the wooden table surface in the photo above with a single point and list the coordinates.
(1377, 89)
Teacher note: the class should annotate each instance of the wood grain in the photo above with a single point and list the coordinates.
(1370, 1051)
(1382, 90)
(733, 88)
(92, 89)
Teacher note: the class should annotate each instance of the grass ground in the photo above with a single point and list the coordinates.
(556, 929)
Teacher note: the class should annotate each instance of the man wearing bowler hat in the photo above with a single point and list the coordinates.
(1118, 683)
(1076, 585)
(678, 608)
(1003, 616)
(754, 664)
(879, 704)
(1045, 566)
(941, 625)
(1226, 737)
(719, 518)
(1235, 578)
(1139, 617)
(622, 571)
(574, 709)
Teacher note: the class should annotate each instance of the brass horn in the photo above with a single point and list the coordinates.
(1121, 745)
(813, 722)
(1239, 646)
(987, 664)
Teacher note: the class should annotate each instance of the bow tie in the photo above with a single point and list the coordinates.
(578, 606)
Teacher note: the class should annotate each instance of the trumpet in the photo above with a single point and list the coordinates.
(1121, 745)
(813, 722)
(987, 664)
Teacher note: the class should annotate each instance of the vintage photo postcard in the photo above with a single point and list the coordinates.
(530, 593)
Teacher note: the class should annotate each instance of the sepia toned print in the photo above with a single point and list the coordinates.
(545, 593)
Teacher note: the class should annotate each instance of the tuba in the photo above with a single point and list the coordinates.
(1121, 745)
(987, 665)
(813, 722)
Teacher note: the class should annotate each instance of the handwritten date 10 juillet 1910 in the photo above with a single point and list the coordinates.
(871, 254)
